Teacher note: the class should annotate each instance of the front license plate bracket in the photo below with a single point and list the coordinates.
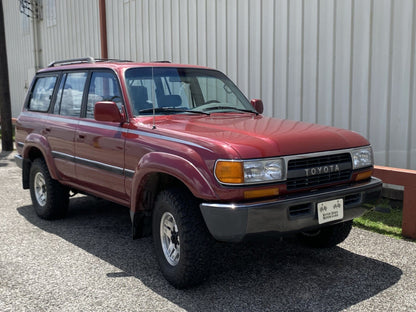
(331, 210)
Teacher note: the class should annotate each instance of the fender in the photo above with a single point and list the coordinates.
(35, 140)
(176, 166)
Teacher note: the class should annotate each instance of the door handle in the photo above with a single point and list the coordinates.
(81, 136)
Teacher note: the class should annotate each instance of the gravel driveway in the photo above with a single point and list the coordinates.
(88, 262)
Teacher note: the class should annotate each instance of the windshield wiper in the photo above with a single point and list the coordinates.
(233, 108)
(170, 110)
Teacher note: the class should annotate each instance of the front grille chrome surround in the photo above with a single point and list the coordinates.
(318, 170)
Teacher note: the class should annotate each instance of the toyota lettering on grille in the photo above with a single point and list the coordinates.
(321, 170)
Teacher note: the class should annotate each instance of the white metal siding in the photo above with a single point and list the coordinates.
(75, 34)
(348, 63)
(20, 56)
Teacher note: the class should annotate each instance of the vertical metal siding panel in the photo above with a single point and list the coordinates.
(132, 55)
(183, 29)
(193, 31)
(167, 23)
(342, 63)
(280, 59)
(111, 28)
(243, 45)
(72, 21)
(400, 87)
(138, 29)
(379, 78)
(221, 34)
(254, 89)
(84, 32)
(211, 34)
(412, 116)
(176, 55)
(231, 20)
(360, 66)
(267, 56)
(146, 31)
(19, 55)
(294, 60)
(62, 26)
(152, 30)
(160, 43)
(202, 32)
(124, 26)
(79, 36)
(325, 61)
(95, 26)
(310, 48)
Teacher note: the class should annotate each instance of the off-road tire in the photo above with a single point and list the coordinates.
(50, 198)
(327, 237)
(195, 243)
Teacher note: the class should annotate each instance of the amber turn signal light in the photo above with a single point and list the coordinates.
(363, 175)
(229, 171)
(261, 193)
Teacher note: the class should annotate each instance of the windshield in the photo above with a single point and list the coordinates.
(183, 90)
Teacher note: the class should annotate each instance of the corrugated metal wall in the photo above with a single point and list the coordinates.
(20, 58)
(347, 63)
(74, 32)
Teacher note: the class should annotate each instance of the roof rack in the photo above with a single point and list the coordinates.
(161, 62)
(81, 60)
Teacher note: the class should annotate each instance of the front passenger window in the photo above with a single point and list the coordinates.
(103, 87)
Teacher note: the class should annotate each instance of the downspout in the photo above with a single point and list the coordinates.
(37, 46)
(103, 29)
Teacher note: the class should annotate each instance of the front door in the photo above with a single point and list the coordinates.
(99, 146)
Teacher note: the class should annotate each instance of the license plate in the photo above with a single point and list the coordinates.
(330, 211)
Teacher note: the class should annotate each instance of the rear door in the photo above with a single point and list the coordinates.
(63, 121)
(99, 146)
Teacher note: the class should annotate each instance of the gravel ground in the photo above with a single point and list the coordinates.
(88, 262)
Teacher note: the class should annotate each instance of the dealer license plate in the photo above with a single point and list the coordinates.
(330, 211)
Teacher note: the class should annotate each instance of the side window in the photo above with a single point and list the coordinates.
(70, 97)
(103, 87)
(41, 97)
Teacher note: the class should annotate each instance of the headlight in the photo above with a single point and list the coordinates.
(250, 171)
(362, 157)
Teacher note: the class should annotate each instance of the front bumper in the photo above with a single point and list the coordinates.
(289, 214)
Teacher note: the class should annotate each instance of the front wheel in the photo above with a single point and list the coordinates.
(327, 237)
(50, 198)
(181, 240)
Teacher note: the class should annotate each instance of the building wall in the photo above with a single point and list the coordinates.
(67, 29)
(347, 63)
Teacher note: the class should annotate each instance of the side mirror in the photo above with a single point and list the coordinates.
(107, 111)
(258, 105)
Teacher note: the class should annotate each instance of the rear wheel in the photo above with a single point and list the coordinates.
(327, 237)
(181, 239)
(50, 198)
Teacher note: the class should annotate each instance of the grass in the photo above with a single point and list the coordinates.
(385, 219)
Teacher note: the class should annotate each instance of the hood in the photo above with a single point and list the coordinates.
(253, 136)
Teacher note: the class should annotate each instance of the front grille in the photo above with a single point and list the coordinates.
(316, 171)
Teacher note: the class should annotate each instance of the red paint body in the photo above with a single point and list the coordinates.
(183, 146)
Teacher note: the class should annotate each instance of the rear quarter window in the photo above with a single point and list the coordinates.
(41, 96)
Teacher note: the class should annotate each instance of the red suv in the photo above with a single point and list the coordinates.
(190, 156)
